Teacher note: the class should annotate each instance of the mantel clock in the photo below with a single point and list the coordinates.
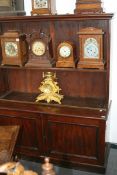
(65, 55)
(88, 6)
(40, 7)
(91, 48)
(40, 50)
(14, 48)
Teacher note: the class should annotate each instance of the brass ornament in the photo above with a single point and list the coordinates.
(47, 168)
(49, 89)
(15, 168)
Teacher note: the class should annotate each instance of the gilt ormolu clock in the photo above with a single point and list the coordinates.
(65, 55)
(14, 48)
(88, 6)
(91, 48)
(40, 7)
(40, 50)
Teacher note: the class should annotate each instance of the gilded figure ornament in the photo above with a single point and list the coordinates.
(49, 89)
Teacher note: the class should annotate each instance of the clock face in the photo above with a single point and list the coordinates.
(38, 4)
(91, 49)
(11, 49)
(65, 51)
(47, 88)
(38, 48)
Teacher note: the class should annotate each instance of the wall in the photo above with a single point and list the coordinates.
(110, 6)
(67, 6)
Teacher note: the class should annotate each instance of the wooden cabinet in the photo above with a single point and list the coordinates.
(30, 138)
(75, 139)
(73, 133)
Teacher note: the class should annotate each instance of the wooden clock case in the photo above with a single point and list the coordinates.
(51, 9)
(91, 33)
(88, 6)
(71, 134)
(68, 61)
(19, 39)
(45, 60)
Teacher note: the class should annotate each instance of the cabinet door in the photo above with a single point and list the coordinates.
(77, 140)
(29, 142)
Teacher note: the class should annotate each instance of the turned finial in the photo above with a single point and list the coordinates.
(47, 168)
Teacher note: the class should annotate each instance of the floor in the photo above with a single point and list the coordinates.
(111, 168)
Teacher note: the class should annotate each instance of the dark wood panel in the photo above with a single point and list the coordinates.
(75, 140)
(4, 86)
(72, 140)
(72, 102)
(84, 84)
(30, 136)
(32, 26)
(54, 109)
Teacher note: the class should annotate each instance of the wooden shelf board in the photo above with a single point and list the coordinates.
(67, 101)
(51, 69)
(56, 17)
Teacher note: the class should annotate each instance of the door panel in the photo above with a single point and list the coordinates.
(29, 140)
(75, 139)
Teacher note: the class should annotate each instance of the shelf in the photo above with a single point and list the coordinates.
(52, 69)
(56, 17)
(73, 102)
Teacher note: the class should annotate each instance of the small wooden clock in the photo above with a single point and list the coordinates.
(14, 48)
(40, 50)
(43, 7)
(91, 48)
(88, 6)
(65, 55)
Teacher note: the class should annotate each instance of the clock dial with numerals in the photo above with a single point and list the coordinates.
(11, 49)
(65, 51)
(40, 4)
(38, 48)
(91, 48)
